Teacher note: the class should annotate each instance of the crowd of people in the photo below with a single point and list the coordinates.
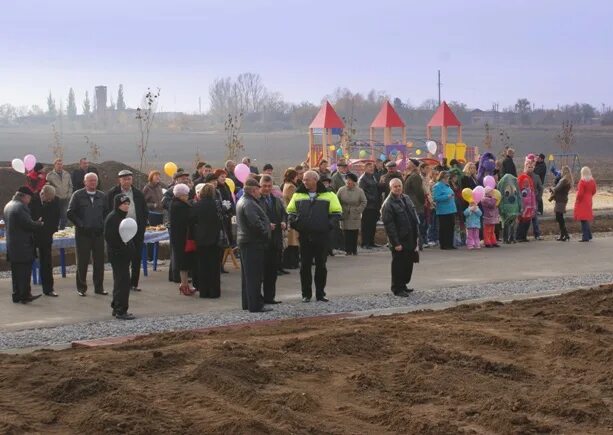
(312, 214)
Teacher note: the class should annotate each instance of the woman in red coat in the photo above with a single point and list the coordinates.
(586, 189)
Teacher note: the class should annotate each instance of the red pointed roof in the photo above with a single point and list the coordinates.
(327, 118)
(387, 117)
(444, 117)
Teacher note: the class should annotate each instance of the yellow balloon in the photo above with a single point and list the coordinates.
(230, 184)
(496, 194)
(551, 159)
(467, 194)
(170, 168)
(418, 152)
(332, 148)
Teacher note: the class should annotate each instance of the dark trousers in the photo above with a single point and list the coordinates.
(539, 205)
(313, 250)
(586, 230)
(423, 229)
(46, 265)
(351, 241)
(252, 273)
(21, 274)
(446, 224)
(561, 224)
(271, 266)
(402, 270)
(291, 257)
(522, 230)
(369, 226)
(121, 284)
(136, 259)
(87, 246)
(208, 271)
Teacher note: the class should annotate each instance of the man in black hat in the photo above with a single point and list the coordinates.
(392, 172)
(20, 230)
(139, 212)
(339, 177)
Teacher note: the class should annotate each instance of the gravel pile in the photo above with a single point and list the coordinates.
(422, 297)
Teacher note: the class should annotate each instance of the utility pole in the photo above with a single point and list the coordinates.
(200, 105)
(439, 87)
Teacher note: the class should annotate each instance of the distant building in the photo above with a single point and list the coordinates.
(480, 117)
(101, 95)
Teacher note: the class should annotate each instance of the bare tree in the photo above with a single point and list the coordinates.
(57, 149)
(145, 116)
(234, 141)
(94, 150)
(566, 137)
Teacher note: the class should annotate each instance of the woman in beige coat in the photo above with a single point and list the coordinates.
(353, 202)
(291, 253)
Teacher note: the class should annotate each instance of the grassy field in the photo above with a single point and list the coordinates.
(280, 148)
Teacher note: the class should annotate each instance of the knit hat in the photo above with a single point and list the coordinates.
(121, 199)
(180, 190)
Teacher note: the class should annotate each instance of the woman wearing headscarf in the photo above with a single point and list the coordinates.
(586, 189)
(353, 202)
(291, 254)
(206, 221)
(180, 209)
(559, 194)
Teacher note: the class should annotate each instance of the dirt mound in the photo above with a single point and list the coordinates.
(535, 366)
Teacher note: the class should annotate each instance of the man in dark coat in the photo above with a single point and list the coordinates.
(120, 253)
(20, 252)
(278, 223)
(49, 212)
(401, 225)
(78, 175)
(253, 235)
(370, 185)
(384, 181)
(508, 165)
(540, 169)
(414, 187)
(139, 212)
(87, 210)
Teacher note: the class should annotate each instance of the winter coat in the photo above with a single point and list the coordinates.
(491, 215)
(583, 202)
(205, 219)
(275, 210)
(414, 187)
(86, 215)
(444, 199)
(252, 223)
(292, 235)
(508, 167)
(538, 185)
(369, 184)
(116, 248)
(36, 180)
(154, 194)
(338, 180)
(470, 183)
(62, 183)
(140, 206)
(384, 182)
(559, 194)
(473, 218)
(314, 218)
(540, 169)
(353, 201)
(179, 232)
(50, 214)
(400, 221)
(19, 232)
(78, 176)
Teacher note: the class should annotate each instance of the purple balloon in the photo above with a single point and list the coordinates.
(489, 181)
(478, 193)
(241, 172)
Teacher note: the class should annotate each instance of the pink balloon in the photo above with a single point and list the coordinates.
(277, 192)
(29, 161)
(489, 181)
(478, 193)
(242, 172)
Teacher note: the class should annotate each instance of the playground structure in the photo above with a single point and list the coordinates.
(328, 124)
(565, 159)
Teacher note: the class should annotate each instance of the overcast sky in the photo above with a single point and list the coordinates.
(552, 52)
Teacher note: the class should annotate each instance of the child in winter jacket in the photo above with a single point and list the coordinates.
(491, 217)
(472, 216)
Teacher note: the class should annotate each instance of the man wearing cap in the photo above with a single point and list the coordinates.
(87, 210)
(20, 230)
(339, 177)
(414, 188)
(392, 172)
(139, 212)
(540, 169)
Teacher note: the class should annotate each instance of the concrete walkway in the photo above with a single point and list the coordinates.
(366, 274)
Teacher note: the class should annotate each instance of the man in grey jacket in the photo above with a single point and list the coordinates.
(253, 236)
(62, 181)
(87, 210)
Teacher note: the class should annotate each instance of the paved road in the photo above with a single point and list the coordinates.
(366, 274)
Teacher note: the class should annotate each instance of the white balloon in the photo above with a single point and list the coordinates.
(127, 229)
(18, 165)
(431, 145)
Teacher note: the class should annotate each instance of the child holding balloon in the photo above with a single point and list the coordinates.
(472, 216)
(491, 217)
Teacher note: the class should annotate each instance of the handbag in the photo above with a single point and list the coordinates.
(190, 245)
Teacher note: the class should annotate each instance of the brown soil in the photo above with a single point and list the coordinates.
(535, 366)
